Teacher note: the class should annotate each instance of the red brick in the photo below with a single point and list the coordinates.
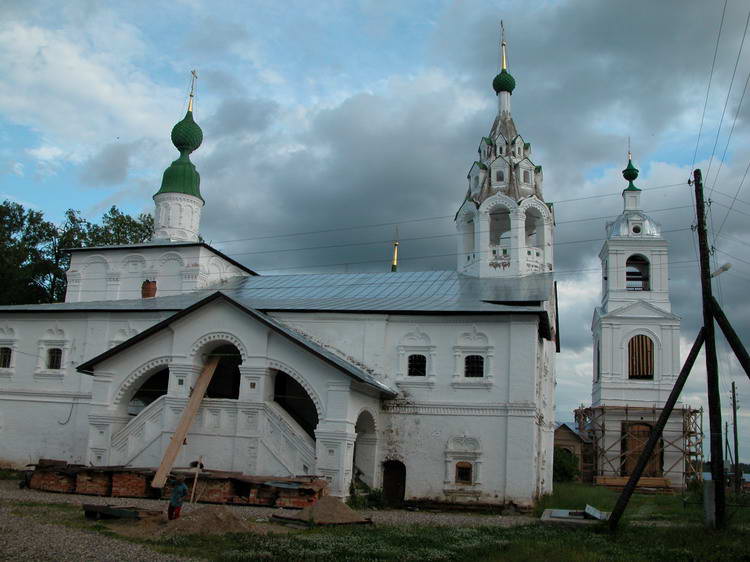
(53, 482)
(130, 485)
(94, 483)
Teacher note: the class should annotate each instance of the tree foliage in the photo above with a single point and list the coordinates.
(33, 256)
(565, 466)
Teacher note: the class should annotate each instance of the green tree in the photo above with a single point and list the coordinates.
(565, 466)
(33, 251)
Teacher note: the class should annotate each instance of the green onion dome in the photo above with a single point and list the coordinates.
(181, 176)
(187, 135)
(631, 174)
(504, 82)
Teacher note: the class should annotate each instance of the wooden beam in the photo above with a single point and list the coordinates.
(178, 437)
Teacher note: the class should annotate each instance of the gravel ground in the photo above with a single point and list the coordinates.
(34, 538)
(27, 538)
(9, 491)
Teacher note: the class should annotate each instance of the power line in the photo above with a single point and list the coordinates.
(726, 101)
(708, 89)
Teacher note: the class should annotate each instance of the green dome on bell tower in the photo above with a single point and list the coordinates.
(631, 174)
(181, 176)
(503, 82)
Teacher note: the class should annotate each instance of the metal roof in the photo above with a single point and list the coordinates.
(395, 292)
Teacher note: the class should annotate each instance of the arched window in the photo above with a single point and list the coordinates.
(54, 358)
(474, 366)
(417, 366)
(6, 354)
(499, 175)
(640, 357)
(463, 473)
(637, 274)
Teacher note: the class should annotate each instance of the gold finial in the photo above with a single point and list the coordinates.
(630, 156)
(192, 89)
(504, 65)
(394, 263)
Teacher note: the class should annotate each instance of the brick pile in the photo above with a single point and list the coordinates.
(130, 484)
(94, 483)
(213, 486)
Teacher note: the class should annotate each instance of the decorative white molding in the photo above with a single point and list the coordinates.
(311, 392)
(456, 409)
(217, 337)
(137, 375)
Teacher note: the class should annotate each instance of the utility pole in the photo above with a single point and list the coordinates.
(737, 471)
(712, 367)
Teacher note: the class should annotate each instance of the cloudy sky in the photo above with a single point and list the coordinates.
(328, 123)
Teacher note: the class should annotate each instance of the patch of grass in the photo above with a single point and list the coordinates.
(10, 474)
(680, 508)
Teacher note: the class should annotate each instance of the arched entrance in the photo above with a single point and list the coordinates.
(154, 387)
(394, 482)
(225, 382)
(365, 450)
(293, 398)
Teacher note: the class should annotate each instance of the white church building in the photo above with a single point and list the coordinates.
(433, 385)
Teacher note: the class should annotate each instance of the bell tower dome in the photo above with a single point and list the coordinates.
(178, 202)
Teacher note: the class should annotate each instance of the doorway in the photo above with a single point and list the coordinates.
(394, 482)
(635, 437)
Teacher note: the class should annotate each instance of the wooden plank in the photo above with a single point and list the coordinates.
(196, 396)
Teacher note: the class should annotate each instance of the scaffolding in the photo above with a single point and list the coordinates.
(606, 427)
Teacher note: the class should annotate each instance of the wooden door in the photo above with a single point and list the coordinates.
(394, 482)
(635, 437)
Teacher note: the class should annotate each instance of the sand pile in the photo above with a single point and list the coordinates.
(209, 520)
(327, 511)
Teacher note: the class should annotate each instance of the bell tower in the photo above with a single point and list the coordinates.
(636, 336)
(178, 202)
(505, 229)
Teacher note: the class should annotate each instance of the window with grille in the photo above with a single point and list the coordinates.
(54, 358)
(499, 175)
(417, 366)
(463, 472)
(6, 354)
(640, 357)
(474, 366)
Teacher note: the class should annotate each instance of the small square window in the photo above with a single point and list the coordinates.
(54, 358)
(252, 386)
(474, 366)
(6, 354)
(417, 366)
(463, 472)
(180, 382)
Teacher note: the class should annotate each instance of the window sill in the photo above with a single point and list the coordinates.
(419, 382)
(7, 373)
(49, 374)
(471, 383)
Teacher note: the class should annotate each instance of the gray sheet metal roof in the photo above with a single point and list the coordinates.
(419, 292)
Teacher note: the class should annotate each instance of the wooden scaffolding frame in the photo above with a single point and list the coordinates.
(609, 456)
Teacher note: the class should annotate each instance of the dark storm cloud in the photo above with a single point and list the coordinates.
(589, 75)
(238, 115)
(110, 165)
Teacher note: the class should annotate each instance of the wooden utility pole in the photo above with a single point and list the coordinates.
(737, 471)
(712, 367)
